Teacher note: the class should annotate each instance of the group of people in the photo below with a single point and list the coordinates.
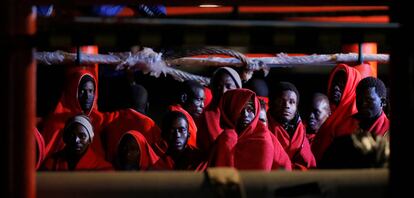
(224, 125)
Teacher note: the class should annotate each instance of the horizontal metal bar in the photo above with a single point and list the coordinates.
(330, 183)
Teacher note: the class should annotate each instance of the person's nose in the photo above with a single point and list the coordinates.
(286, 105)
(244, 113)
(336, 88)
(77, 139)
(177, 134)
(312, 115)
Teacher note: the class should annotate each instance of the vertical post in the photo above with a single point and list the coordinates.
(17, 101)
(402, 98)
(364, 48)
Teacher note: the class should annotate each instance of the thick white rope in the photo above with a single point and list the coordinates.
(152, 63)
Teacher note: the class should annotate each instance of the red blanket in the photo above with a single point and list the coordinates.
(129, 119)
(88, 162)
(250, 149)
(351, 125)
(148, 158)
(208, 128)
(281, 158)
(346, 108)
(115, 124)
(297, 147)
(191, 159)
(192, 128)
(67, 107)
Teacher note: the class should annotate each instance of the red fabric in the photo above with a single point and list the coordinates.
(281, 158)
(351, 125)
(266, 100)
(40, 144)
(115, 124)
(67, 107)
(88, 161)
(192, 128)
(381, 125)
(129, 119)
(190, 159)
(208, 95)
(310, 137)
(253, 148)
(148, 158)
(346, 108)
(208, 128)
(297, 147)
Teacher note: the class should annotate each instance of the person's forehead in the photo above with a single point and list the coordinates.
(77, 128)
(340, 76)
(368, 91)
(198, 91)
(179, 121)
(288, 93)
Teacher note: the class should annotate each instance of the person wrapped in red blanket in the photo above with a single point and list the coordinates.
(245, 142)
(80, 97)
(190, 102)
(286, 125)
(223, 79)
(343, 81)
(370, 123)
(77, 154)
(317, 114)
(174, 151)
(134, 153)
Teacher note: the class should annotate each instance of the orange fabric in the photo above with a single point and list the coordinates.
(88, 162)
(253, 148)
(192, 128)
(346, 108)
(297, 147)
(40, 144)
(148, 158)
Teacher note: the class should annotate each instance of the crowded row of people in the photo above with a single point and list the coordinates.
(249, 128)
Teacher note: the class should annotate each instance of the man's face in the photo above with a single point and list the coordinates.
(369, 104)
(247, 115)
(129, 154)
(318, 114)
(77, 138)
(86, 95)
(223, 84)
(195, 105)
(285, 106)
(338, 86)
(178, 135)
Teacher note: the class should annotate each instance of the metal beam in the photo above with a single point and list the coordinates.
(316, 183)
